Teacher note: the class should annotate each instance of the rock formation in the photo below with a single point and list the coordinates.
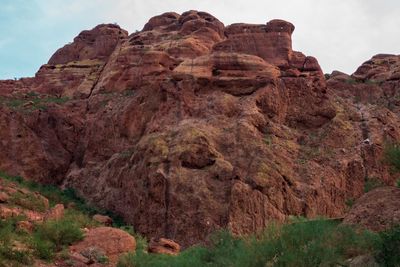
(189, 126)
(377, 210)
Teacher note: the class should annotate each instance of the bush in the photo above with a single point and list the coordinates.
(29, 201)
(80, 219)
(389, 248)
(301, 243)
(392, 156)
(7, 252)
(66, 196)
(52, 236)
(372, 183)
(43, 249)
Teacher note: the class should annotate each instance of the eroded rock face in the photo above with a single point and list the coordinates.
(112, 242)
(74, 70)
(97, 43)
(189, 126)
(377, 210)
(164, 246)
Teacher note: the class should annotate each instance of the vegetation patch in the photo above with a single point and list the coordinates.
(389, 247)
(372, 183)
(31, 101)
(9, 255)
(53, 236)
(301, 243)
(29, 201)
(49, 240)
(392, 156)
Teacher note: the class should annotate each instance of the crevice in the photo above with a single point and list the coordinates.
(100, 72)
(166, 203)
(365, 136)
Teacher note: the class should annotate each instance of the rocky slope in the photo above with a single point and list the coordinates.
(189, 126)
(35, 231)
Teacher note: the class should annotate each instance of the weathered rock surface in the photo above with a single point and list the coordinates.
(98, 43)
(377, 210)
(105, 220)
(164, 246)
(112, 242)
(189, 126)
(55, 213)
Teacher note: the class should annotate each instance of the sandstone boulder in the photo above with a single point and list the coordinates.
(111, 241)
(26, 226)
(55, 213)
(377, 210)
(164, 246)
(105, 220)
(4, 197)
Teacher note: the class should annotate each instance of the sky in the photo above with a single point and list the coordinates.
(341, 34)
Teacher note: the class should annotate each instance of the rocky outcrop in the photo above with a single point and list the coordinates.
(377, 210)
(98, 43)
(105, 241)
(188, 126)
(164, 246)
(103, 219)
(55, 213)
(75, 69)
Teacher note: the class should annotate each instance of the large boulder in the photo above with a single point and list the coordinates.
(271, 41)
(377, 210)
(111, 242)
(164, 246)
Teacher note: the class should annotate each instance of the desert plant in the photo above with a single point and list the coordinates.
(301, 243)
(43, 249)
(392, 156)
(351, 81)
(60, 233)
(372, 183)
(7, 252)
(28, 201)
(349, 202)
(389, 249)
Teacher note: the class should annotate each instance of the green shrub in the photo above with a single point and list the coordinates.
(60, 233)
(43, 249)
(389, 248)
(351, 81)
(320, 243)
(392, 156)
(13, 255)
(53, 193)
(349, 202)
(29, 201)
(82, 220)
(52, 236)
(301, 243)
(372, 183)
(7, 252)
(398, 183)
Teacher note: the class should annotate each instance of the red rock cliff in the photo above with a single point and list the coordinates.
(189, 126)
